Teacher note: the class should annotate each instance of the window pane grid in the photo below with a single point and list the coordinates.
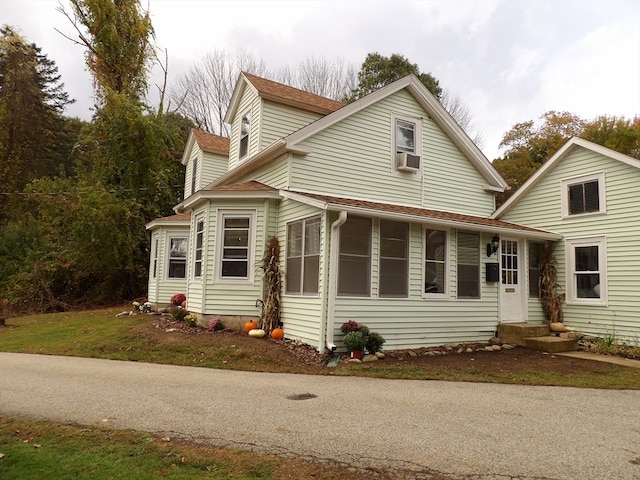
(435, 261)
(303, 257)
(394, 261)
(197, 265)
(468, 265)
(235, 247)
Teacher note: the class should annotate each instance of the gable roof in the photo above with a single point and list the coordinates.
(208, 142)
(416, 214)
(280, 93)
(416, 88)
(568, 148)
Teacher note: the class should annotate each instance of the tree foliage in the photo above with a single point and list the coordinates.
(378, 71)
(35, 140)
(529, 144)
(117, 35)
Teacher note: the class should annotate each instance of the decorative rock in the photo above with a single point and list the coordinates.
(380, 355)
(507, 346)
(370, 358)
(438, 352)
(354, 360)
(460, 350)
(162, 310)
(556, 327)
(469, 350)
(257, 333)
(122, 314)
(495, 341)
(412, 353)
(496, 348)
(430, 354)
(488, 349)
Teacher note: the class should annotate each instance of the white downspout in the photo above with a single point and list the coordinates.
(333, 277)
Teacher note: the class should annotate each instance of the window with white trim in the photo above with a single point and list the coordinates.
(394, 259)
(354, 266)
(235, 258)
(535, 248)
(583, 195)
(468, 259)
(435, 262)
(177, 268)
(197, 262)
(245, 131)
(303, 256)
(586, 272)
(194, 172)
(407, 143)
(154, 268)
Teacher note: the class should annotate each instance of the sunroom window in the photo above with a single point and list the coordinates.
(354, 277)
(303, 256)
(394, 259)
(468, 265)
(435, 263)
(177, 257)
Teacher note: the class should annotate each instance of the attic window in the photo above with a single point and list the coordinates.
(407, 144)
(245, 129)
(583, 195)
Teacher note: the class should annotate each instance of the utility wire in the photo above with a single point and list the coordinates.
(141, 189)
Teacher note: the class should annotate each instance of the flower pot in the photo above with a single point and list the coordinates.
(356, 354)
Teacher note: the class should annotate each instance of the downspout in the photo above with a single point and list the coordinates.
(333, 278)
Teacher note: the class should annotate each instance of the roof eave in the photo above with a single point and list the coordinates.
(204, 195)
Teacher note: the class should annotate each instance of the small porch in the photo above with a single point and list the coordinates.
(537, 337)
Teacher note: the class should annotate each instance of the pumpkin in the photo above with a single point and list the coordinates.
(257, 332)
(556, 327)
(277, 334)
(250, 325)
(184, 304)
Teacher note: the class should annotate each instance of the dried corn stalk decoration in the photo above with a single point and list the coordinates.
(270, 318)
(548, 283)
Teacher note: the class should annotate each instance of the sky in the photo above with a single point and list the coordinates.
(509, 61)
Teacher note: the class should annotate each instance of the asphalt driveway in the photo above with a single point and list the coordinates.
(479, 431)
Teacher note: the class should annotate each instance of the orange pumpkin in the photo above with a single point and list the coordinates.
(250, 325)
(184, 304)
(277, 334)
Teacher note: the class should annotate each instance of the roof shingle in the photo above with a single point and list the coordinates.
(211, 143)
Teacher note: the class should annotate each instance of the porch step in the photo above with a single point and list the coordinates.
(551, 344)
(515, 333)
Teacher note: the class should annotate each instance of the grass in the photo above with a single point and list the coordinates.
(35, 450)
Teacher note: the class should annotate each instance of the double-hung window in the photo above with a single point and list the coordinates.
(468, 258)
(194, 173)
(394, 259)
(407, 144)
(405, 136)
(245, 130)
(156, 243)
(435, 262)
(535, 248)
(586, 273)
(583, 195)
(236, 250)
(303, 256)
(354, 266)
(197, 262)
(177, 257)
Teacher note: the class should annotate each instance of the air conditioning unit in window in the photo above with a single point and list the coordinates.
(407, 162)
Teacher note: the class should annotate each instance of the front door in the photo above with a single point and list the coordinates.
(511, 281)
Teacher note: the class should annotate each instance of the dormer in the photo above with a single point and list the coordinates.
(262, 111)
(206, 157)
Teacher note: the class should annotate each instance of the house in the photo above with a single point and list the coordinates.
(382, 208)
(590, 195)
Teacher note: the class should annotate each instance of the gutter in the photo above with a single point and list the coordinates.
(333, 279)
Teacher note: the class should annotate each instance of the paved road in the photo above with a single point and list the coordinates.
(466, 430)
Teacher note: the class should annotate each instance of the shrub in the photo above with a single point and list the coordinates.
(350, 326)
(355, 341)
(374, 342)
(179, 314)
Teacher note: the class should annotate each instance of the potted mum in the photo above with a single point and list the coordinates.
(355, 342)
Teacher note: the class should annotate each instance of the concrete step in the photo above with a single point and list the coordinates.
(515, 333)
(551, 344)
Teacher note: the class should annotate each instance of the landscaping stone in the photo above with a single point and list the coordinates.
(495, 341)
(370, 358)
(496, 348)
(412, 353)
(380, 355)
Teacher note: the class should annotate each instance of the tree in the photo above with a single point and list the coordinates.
(378, 71)
(528, 145)
(118, 37)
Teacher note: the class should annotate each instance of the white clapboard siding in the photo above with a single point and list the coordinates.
(213, 166)
(302, 315)
(279, 120)
(276, 174)
(161, 288)
(249, 101)
(357, 152)
(541, 207)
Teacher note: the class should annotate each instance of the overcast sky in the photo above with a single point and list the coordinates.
(509, 61)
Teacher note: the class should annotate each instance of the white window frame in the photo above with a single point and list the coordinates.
(479, 264)
(345, 256)
(407, 245)
(303, 256)
(531, 269)
(445, 294)
(170, 236)
(566, 183)
(155, 242)
(571, 274)
(194, 173)
(417, 141)
(196, 261)
(251, 241)
(241, 136)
